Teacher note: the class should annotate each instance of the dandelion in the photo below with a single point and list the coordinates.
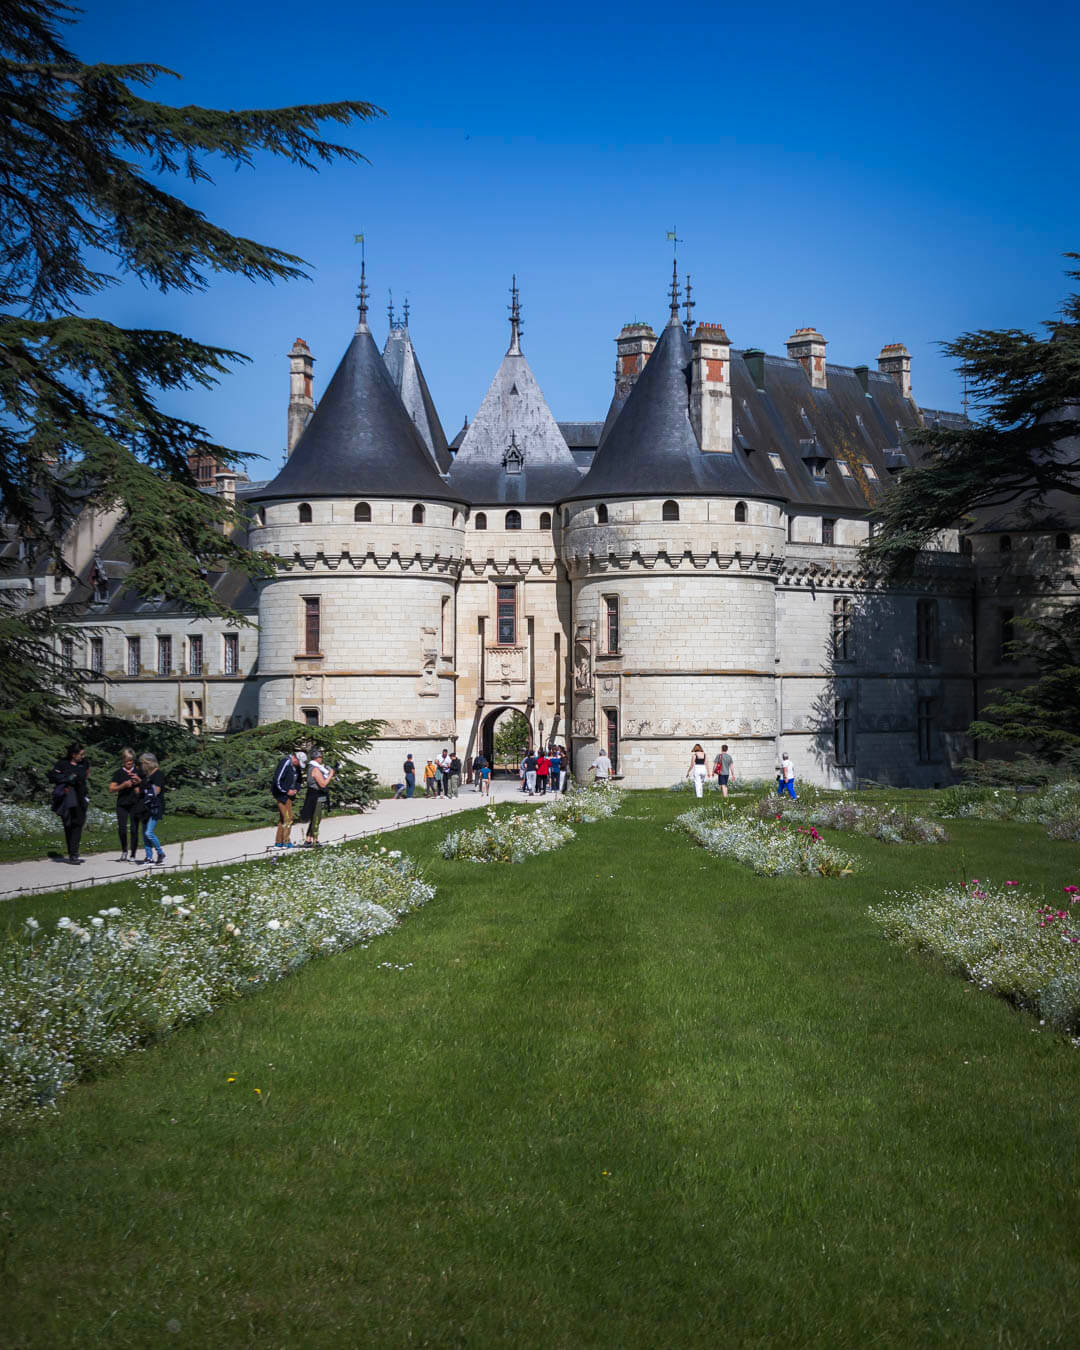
(258, 1092)
(231, 1079)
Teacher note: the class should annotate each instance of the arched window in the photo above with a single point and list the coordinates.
(513, 520)
(481, 520)
(418, 515)
(601, 514)
(545, 520)
(740, 513)
(1062, 541)
(304, 512)
(966, 546)
(362, 512)
(671, 510)
(1005, 544)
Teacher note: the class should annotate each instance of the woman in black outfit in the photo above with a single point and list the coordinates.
(71, 797)
(126, 784)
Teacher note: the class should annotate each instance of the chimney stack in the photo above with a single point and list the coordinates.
(633, 346)
(301, 397)
(225, 483)
(894, 360)
(807, 346)
(710, 388)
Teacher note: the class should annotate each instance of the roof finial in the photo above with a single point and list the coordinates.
(688, 304)
(390, 309)
(674, 290)
(362, 294)
(406, 308)
(515, 320)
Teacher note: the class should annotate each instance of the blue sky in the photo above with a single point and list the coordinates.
(899, 173)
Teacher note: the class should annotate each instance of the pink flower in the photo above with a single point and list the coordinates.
(1012, 883)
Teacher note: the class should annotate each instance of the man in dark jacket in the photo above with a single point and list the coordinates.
(284, 788)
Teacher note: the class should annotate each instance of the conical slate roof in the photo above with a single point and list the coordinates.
(360, 441)
(404, 367)
(513, 417)
(651, 450)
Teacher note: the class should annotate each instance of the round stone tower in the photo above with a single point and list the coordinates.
(673, 554)
(358, 621)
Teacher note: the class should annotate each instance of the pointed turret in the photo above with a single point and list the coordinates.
(514, 450)
(408, 379)
(652, 450)
(360, 441)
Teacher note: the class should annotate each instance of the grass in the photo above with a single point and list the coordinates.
(173, 829)
(625, 1094)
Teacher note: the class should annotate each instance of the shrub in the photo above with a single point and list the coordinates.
(887, 824)
(512, 836)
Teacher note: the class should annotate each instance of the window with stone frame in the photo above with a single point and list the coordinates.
(67, 653)
(506, 616)
(310, 716)
(513, 520)
(446, 627)
(195, 655)
(843, 633)
(134, 655)
(231, 654)
(164, 655)
(740, 513)
(929, 739)
(828, 531)
(926, 630)
(545, 520)
(193, 715)
(312, 625)
(670, 511)
(97, 656)
(611, 737)
(303, 513)
(480, 522)
(611, 624)
(843, 733)
(362, 512)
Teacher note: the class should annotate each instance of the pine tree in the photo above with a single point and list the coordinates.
(1023, 443)
(83, 158)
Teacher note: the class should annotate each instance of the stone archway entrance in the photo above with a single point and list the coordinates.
(487, 731)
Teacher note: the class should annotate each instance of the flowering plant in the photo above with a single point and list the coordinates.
(887, 824)
(513, 836)
(18, 820)
(766, 847)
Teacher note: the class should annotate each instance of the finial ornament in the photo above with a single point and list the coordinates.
(362, 294)
(390, 309)
(675, 289)
(688, 305)
(406, 309)
(515, 319)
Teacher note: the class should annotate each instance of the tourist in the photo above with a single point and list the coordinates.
(317, 798)
(468, 769)
(601, 767)
(430, 774)
(283, 788)
(724, 769)
(530, 773)
(521, 770)
(698, 769)
(71, 796)
(444, 772)
(786, 780)
(554, 768)
(409, 770)
(482, 775)
(564, 772)
(543, 768)
(125, 785)
(454, 777)
(153, 806)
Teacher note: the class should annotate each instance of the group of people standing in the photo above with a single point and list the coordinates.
(544, 771)
(139, 788)
(285, 787)
(442, 776)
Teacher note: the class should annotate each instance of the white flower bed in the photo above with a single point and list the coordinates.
(79, 997)
(1000, 938)
(511, 837)
(765, 846)
(17, 820)
(886, 824)
(1057, 807)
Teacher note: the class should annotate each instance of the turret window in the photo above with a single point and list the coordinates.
(362, 512)
(481, 520)
(601, 514)
(671, 511)
(418, 515)
(513, 520)
(304, 513)
(828, 531)
(545, 521)
(740, 513)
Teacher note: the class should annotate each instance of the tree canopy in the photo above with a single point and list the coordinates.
(85, 159)
(1022, 442)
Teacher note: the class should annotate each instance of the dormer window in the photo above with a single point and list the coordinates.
(814, 456)
(513, 520)
(303, 512)
(514, 457)
(362, 513)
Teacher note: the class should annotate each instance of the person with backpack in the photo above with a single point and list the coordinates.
(724, 768)
(71, 796)
(153, 806)
(283, 788)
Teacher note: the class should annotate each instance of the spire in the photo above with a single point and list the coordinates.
(689, 305)
(674, 291)
(406, 308)
(362, 296)
(390, 309)
(515, 320)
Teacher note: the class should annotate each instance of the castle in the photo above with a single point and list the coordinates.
(686, 570)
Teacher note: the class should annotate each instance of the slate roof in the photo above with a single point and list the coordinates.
(513, 407)
(408, 379)
(651, 450)
(360, 441)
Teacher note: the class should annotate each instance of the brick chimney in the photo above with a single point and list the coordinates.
(894, 360)
(807, 346)
(301, 395)
(710, 388)
(633, 347)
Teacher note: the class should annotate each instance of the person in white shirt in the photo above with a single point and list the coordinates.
(317, 798)
(601, 767)
(786, 781)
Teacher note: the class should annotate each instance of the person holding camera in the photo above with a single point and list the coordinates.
(126, 786)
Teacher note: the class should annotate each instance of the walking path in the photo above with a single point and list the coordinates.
(54, 874)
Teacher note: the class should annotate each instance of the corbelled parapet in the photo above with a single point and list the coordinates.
(894, 360)
(710, 388)
(301, 391)
(807, 346)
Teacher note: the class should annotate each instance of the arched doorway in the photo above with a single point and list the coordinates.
(487, 736)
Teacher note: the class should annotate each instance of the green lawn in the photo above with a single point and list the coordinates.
(173, 829)
(626, 1095)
